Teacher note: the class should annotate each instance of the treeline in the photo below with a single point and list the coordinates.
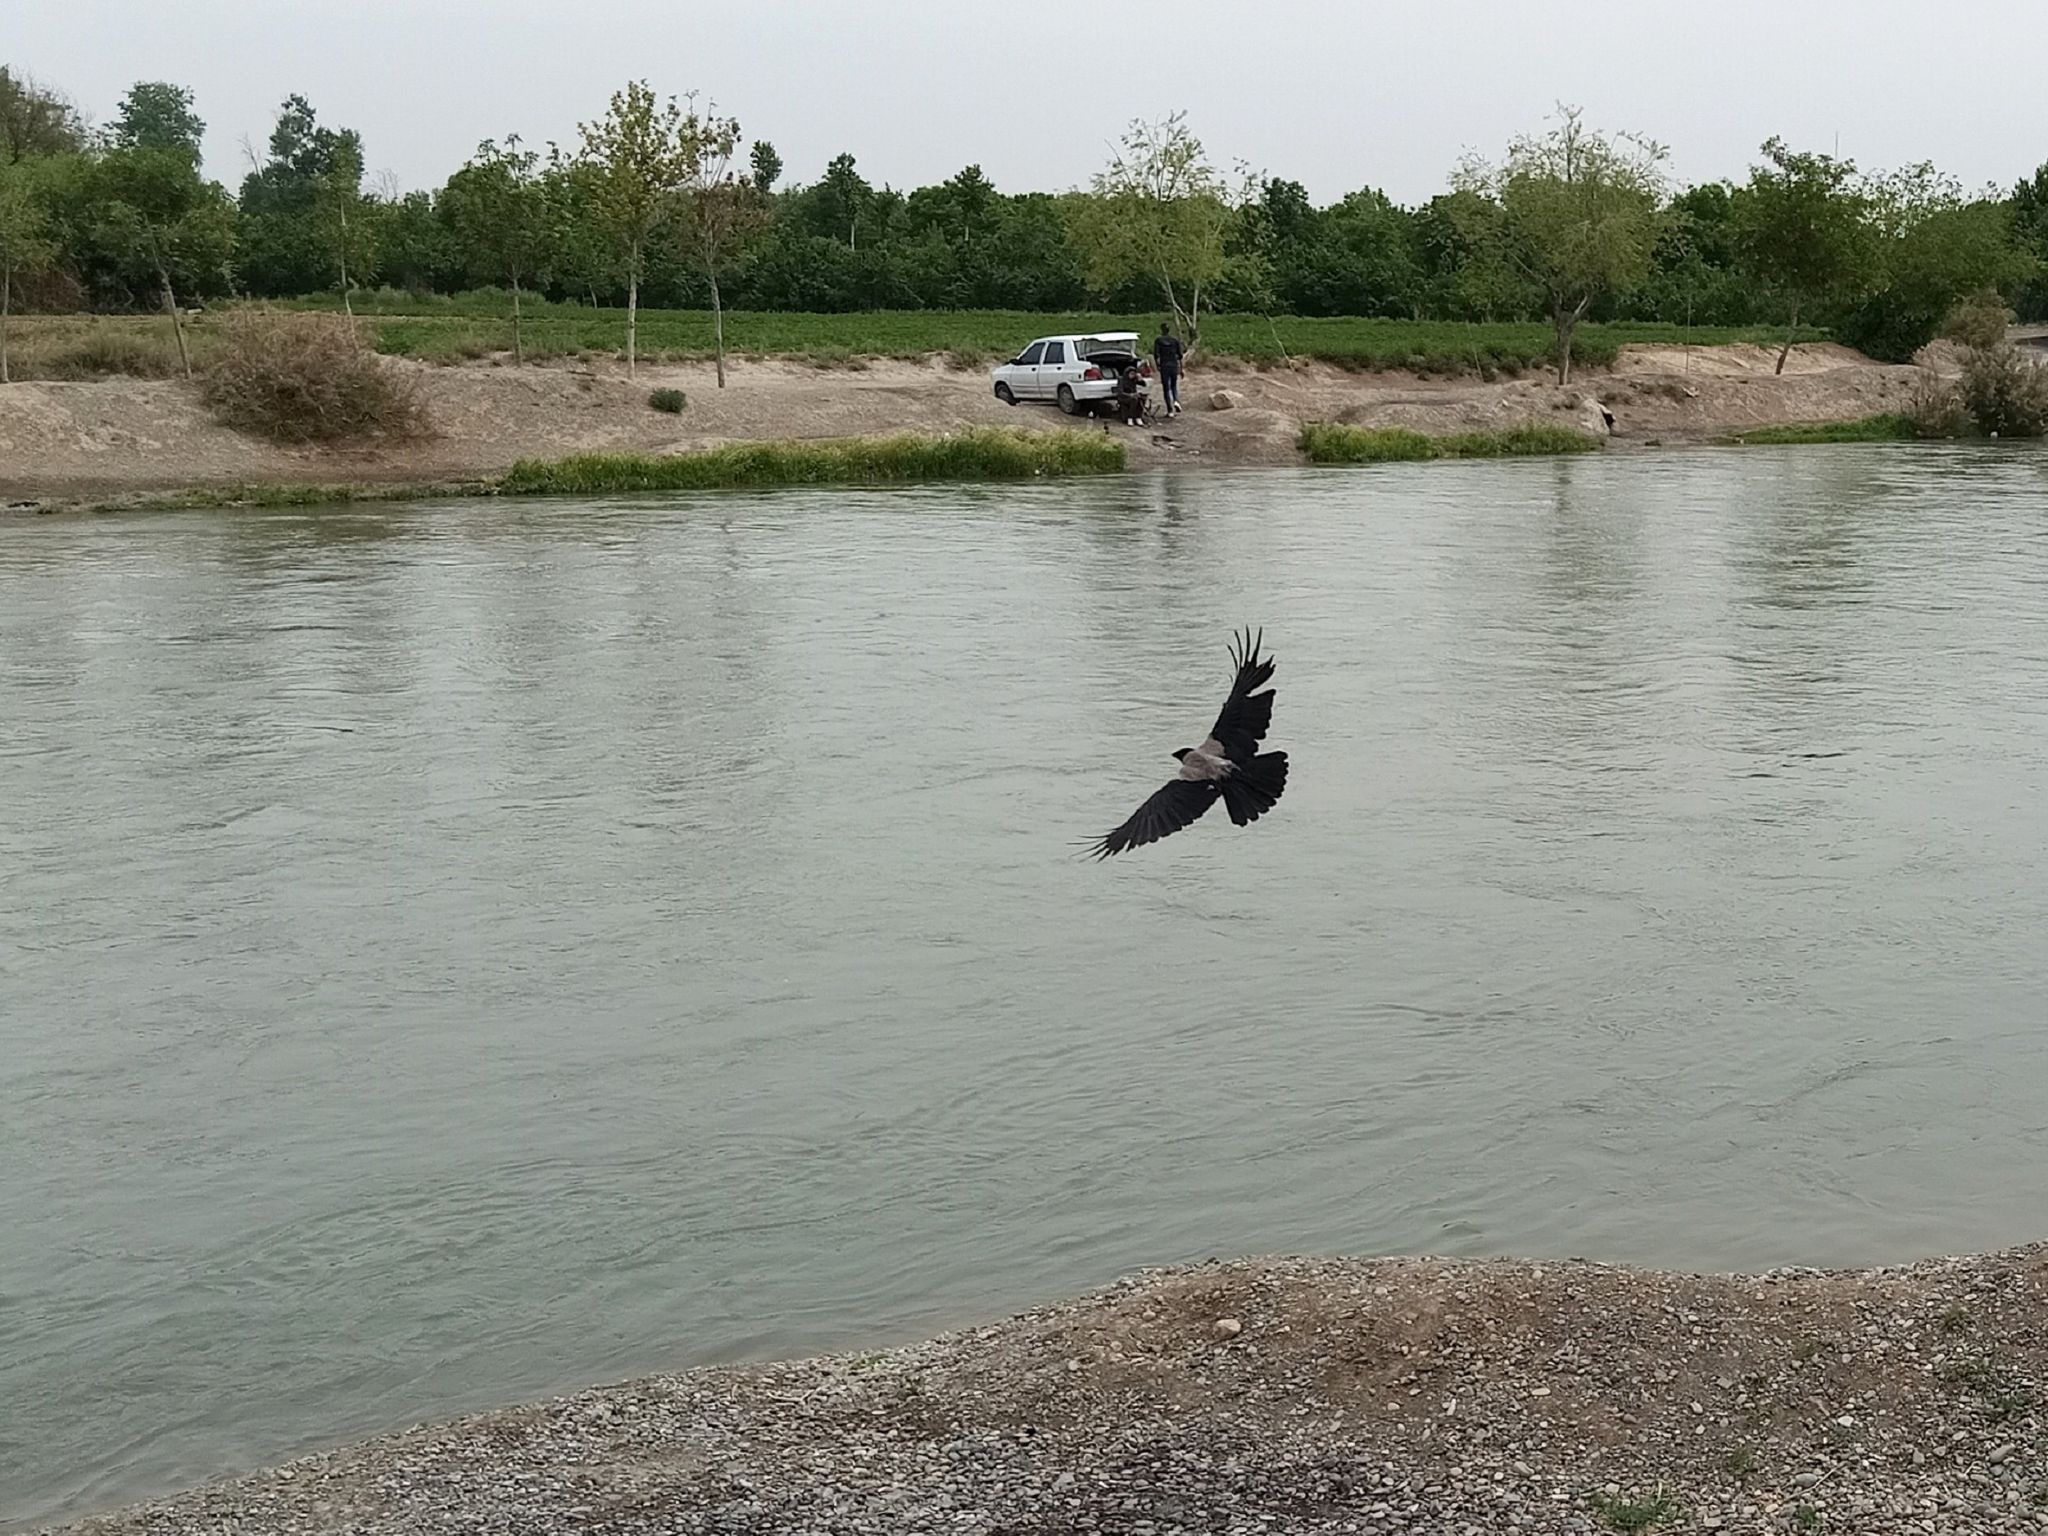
(660, 202)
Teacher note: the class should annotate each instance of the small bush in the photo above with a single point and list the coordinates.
(1627, 1513)
(2005, 394)
(668, 401)
(307, 378)
(1979, 321)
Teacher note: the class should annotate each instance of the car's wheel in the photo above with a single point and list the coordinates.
(1003, 393)
(1068, 403)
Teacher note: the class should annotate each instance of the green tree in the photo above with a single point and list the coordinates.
(158, 115)
(1160, 213)
(498, 208)
(36, 120)
(582, 257)
(1803, 233)
(160, 218)
(766, 166)
(415, 248)
(722, 211)
(342, 215)
(294, 203)
(1578, 216)
(2029, 208)
(638, 158)
(1934, 246)
(1465, 273)
(25, 245)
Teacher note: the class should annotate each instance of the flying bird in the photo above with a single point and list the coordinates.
(1227, 767)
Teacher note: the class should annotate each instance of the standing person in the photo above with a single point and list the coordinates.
(1166, 356)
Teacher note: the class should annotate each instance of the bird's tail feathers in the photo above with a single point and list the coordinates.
(1255, 788)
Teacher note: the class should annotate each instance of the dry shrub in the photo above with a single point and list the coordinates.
(1936, 407)
(2005, 392)
(306, 378)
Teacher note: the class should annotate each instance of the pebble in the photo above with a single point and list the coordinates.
(1329, 1427)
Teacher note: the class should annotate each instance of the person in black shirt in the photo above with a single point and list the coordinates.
(1166, 355)
(1130, 400)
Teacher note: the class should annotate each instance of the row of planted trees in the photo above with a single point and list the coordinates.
(658, 197)
(134, 209)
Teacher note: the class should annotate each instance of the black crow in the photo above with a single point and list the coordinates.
(1228, 766)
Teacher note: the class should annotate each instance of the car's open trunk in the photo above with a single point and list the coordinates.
(1108, 351)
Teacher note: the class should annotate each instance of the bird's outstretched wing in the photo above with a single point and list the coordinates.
(1247, 715)
(1169, 809)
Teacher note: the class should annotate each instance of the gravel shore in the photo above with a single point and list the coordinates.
(1288, 1395)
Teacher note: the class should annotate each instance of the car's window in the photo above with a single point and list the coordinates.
(1055, 351)
(1032, 353)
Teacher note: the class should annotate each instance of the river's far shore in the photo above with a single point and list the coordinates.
(70, 445)
(1279, 1395)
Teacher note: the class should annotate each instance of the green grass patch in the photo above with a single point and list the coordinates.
(1328, 442)
(456, 327)
(1624, 1512)
(994, 453)
(260, 494)
(983, 454)
(1866, 429)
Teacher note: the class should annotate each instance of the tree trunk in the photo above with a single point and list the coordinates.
(1180, 316)
(346, 307)
(717, 323)
(1567, 321)
(1791, 331)
(177, 325)
(632, 315)
(518, 341)
(6, 304)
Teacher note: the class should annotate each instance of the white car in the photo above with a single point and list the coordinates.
(1076, 373)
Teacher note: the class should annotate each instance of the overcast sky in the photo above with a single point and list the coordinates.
(1336, 95)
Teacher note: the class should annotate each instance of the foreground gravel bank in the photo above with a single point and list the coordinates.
(1288, 1395)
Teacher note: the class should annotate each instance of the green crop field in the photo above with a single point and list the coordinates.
(476, 325)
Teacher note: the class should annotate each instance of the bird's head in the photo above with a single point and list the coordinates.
(1180, 754)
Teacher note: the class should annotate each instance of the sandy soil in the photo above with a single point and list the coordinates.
(66, 442)
(1390, 1396)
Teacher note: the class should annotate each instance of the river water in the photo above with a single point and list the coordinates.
(456, 952)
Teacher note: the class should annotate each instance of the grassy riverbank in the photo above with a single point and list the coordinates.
(1888, 428)
(1332, 443)
(904, 458)
(989, 453)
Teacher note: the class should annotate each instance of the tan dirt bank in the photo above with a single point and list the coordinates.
(1279, 1396)
(65, 442)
